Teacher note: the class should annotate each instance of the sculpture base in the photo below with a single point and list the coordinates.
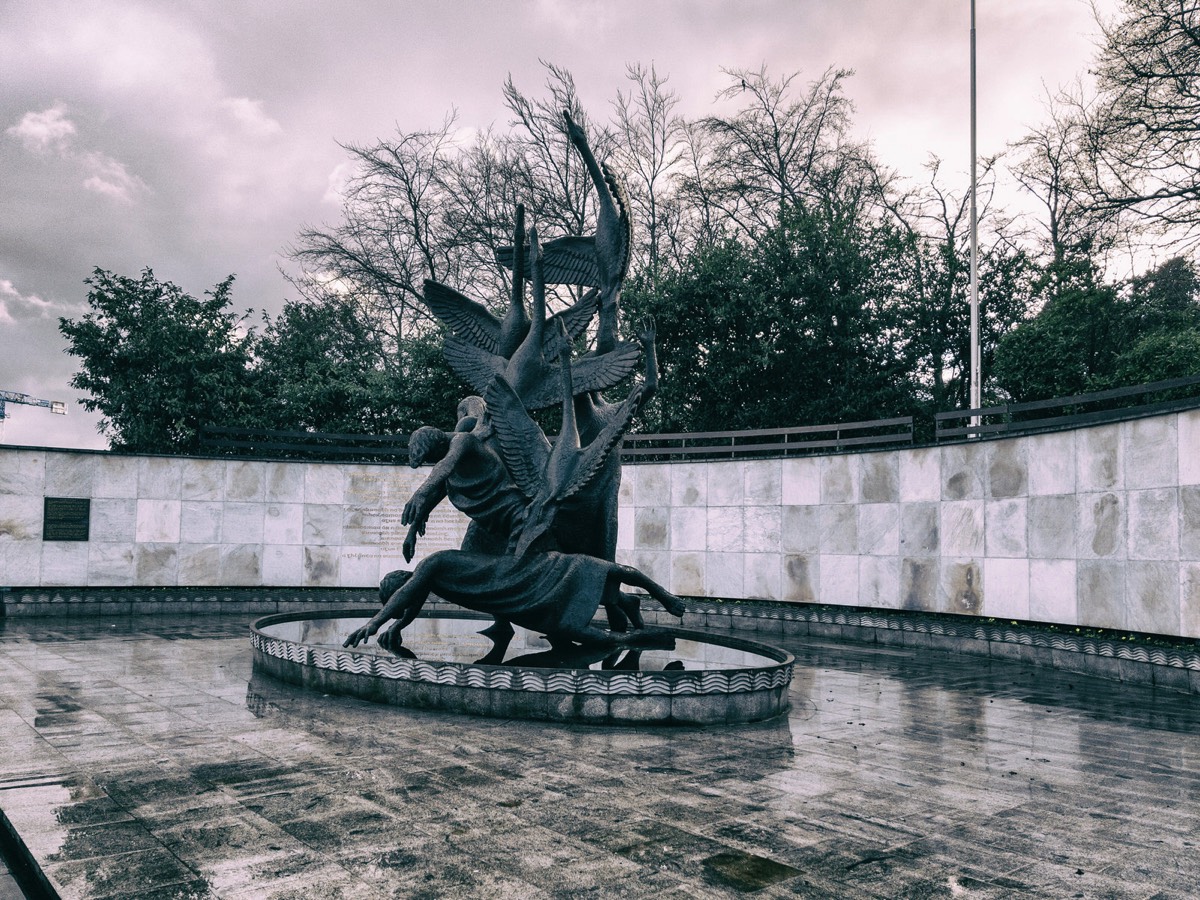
(445, 663)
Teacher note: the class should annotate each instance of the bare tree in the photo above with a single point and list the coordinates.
(1143, 127)
(650, 145)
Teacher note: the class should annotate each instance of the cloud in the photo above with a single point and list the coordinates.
(43, 131)
(109, 178)
(249, 114)
(17, 307)
(339, 178)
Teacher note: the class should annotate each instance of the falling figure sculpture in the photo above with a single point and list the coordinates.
(540, 549)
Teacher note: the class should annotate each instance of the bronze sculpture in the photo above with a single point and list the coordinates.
(541, 547)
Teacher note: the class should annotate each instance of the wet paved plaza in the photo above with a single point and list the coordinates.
(143, 758)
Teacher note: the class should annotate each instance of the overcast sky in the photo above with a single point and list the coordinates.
(196, 138)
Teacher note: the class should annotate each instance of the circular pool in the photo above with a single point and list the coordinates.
(446, 663)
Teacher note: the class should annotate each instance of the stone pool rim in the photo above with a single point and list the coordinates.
(618, 697)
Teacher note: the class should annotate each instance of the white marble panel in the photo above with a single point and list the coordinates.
(1100, 526)
(652, 528)
(157, 565)
(70, 474)
(1051, 461)
(284, 482)
(366, 485)
(839, 580)
(1006, 594)
(200, 564)
(324, 484)
(689, 485)
(919, 522)
(158, 521)
(726, 530)
(762, 576)
(625, 528)
(320, 566)
(689, 528)
(115, 476)
(241, 565)
(879, 477)
(1152, 597)
(801, 529)
(920, 473)
(322, 526)
(626, 495)
(1153, 524)
(726, 482)
(801, 576)
(879, 529)
(723, 575)
(839, 528)
(283, 566)
(242, 523)
(200, 522)
(20, 563)
(879, 581)
(1098, 458)
(1052, 591)
(839, 478)
(653, 485)
(160, 478)
(203, 479)
(963, 469)
(111, 564)
(284, 523)
(800, 481)
(1189, 599)
(1150, 447)
(763, 482)
(1005, 527)
(21, 518)
(1100, 593)
(687, 574)
(762, 529)
(1051, 524)
(245, 481)
(1008, 472)
(961, 586)
(961, 528)
(1188, 447)
(113, 520)
(22, 472)
(359, 567)
(65, 563)
(1189, 522)
(655, 563)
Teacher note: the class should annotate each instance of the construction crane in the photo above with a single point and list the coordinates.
(55, 406)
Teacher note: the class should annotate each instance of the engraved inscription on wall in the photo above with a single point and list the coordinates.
(66, 518)
(375, 507)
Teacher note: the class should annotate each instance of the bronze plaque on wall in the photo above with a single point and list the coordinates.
(66, 519)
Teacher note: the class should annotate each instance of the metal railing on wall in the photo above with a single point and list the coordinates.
(316, 445)
(992, 421)
(1069, 412)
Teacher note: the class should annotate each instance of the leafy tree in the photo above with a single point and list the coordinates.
(158, 363)
(791, 329)
(1072, 343)
(318, 367)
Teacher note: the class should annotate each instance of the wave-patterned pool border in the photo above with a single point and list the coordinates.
(505, 678)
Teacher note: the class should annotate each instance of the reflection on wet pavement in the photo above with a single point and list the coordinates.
(143, 759)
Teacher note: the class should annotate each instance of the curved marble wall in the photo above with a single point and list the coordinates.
(1095, 527)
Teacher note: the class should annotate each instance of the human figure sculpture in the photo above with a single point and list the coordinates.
(556, 594)
(540, 550)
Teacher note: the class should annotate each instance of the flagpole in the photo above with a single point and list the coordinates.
(976, 396)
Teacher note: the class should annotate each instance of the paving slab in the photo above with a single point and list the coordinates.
(144, 758)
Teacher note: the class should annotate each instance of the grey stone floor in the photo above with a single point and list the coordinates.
(143, 759)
